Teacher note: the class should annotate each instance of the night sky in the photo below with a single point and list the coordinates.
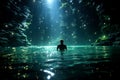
(74, 21)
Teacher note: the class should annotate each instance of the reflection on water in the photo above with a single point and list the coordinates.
(45, 63)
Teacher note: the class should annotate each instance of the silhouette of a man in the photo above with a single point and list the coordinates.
(62, 47)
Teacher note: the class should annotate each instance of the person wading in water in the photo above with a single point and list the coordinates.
(61, 47)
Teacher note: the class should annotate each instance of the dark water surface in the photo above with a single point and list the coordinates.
(45, 63)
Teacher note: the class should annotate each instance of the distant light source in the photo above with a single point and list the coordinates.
(50, 1)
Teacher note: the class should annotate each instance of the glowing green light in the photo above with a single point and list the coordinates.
(104, 37)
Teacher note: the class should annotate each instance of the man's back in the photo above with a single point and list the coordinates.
(61, 47)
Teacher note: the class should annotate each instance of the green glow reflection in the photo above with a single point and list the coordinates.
(46, 58)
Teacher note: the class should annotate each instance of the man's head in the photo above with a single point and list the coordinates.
(61, 41)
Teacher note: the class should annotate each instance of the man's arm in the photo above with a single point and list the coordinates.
(66, 47)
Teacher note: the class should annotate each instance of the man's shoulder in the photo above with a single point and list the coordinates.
(64, 45)
(58, 45)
